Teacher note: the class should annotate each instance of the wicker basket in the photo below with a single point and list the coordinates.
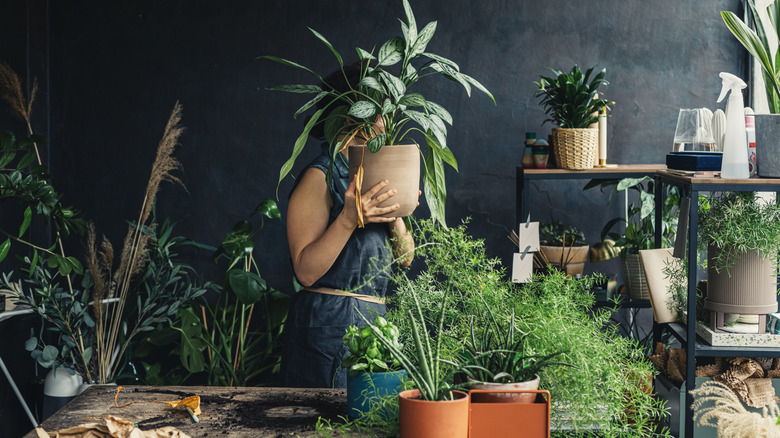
(575, 148)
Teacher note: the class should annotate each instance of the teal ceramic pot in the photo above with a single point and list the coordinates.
(367, 389)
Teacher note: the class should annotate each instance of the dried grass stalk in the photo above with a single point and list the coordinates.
(11, 92)
(717, 406)
(135, 254)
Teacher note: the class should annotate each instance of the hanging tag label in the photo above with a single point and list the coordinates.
(522, 267)
(528, 235)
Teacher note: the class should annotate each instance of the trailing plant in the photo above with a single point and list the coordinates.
(736, 223)
(640, 216)
(383, 107)
(755, 39)
(570, 100)
(366, 352)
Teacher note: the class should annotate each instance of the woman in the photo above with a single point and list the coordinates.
(331, 255)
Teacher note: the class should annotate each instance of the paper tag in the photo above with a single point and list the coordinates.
(528, 235)
(522, 267)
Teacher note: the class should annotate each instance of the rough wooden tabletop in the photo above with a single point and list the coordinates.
(226, 411)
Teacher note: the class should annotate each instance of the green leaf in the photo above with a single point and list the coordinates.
(248, 287)
(290, 64)
(300, 142)
(50, 353)
(310, 104)
(435, 108)
(4, 248)
(6, 158)
(335, 122)
(376, 142)
(388, 106)
(362, 54)
(478, 85)
(412, 99)
(31, 343)
(34, 262)
(298, 89)
(26, 221)
(419, 118)
(392, 51)
(269, 209)
(372, 83)
(394, 84)
(26, 160)
(330, 46)
(411, 23)
(423, 39)
(362, 109)
(75, 265)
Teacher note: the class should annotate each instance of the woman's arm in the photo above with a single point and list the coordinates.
(403, 242)
(315, 246)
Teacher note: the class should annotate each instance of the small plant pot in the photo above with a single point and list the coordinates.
(366, 390)
(508, 392)
(749, 287)
(573, 257)
(489, 419)
(433, 419)
(399, 164)
(634, 276)
(575, 148)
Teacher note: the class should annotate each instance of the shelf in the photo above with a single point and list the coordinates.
(702, 349)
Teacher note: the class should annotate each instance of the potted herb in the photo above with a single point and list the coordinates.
(571, 101)
(563, 247)
(639, 230)
(373, 372)
(741, 234)
(385, 109)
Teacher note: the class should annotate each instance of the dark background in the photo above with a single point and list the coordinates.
(110, 73)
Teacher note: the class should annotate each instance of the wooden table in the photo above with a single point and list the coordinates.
(226, 411)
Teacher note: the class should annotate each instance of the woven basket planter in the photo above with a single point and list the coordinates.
(575, 148)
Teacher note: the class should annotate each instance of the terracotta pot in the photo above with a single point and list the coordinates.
(529, 420)
(574, 257)
(750, 287)
(507, 397)
(399, 164)
(433, 419)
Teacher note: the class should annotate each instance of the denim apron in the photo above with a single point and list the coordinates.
(316, 322)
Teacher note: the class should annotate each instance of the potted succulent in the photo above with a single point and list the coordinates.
(741, 234)
(571, 101)
(563, 246)
(373, 372)
(436, 408)
(639, 231)
(384, 109)
(497, 359)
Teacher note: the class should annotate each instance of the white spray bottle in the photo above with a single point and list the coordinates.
(735, 157)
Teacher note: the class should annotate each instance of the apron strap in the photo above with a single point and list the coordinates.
(361, 297)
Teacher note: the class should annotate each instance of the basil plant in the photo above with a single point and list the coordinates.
(384, 95)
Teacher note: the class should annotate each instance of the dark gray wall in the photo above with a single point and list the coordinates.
(115, 69)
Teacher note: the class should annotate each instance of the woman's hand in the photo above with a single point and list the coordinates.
(369, 201)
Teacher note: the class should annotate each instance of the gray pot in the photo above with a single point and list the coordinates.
(768, 145)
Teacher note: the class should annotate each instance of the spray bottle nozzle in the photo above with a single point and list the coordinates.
(730, 82)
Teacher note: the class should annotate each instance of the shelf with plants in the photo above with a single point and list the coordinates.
(690, 189)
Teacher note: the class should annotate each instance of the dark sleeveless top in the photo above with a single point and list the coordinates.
(316, 322)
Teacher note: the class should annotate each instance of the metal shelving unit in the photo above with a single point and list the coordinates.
(690, 187)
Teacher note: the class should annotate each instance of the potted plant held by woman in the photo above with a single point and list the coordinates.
(383, 109)
(571, 101)
(373, 372)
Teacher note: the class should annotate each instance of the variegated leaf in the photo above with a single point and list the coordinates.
(309, 104)
(362, 109)
(394, 84)
(412, 99)
(299, 89)
(373, 83)
(435, 108)
(423, 39)
(392, 51)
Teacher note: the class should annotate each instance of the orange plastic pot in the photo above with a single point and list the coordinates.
(433, 419)
(489, 419)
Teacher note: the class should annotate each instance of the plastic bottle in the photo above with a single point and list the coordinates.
(750, 130)
(735, 156)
